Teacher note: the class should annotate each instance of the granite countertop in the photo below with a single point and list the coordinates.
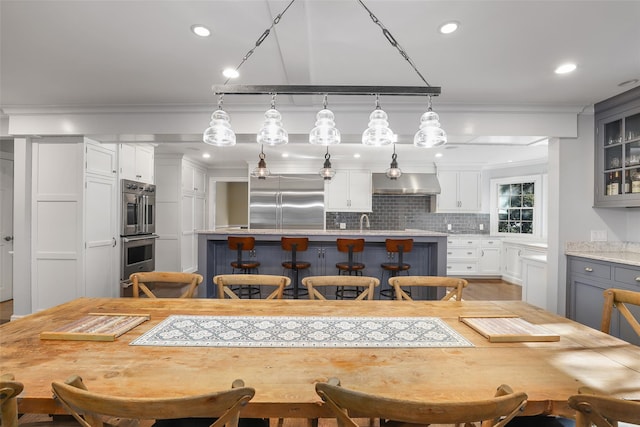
(618, 252)
(407, 233)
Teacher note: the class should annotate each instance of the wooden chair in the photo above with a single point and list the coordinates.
(368, 284)
(295, 245)
(456, 285)
(345, 404)
(91, 409)
(619, 299)
(400, 247)
(227, 282)
(163, 280)
(9, 390)
(593, 408)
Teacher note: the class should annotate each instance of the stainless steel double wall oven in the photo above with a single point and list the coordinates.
(138, 227)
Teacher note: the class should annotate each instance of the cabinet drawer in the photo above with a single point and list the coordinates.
(490, 243)
(457, 242)
(591, 268)
(462, 268)
(462, 253)
(628, 276)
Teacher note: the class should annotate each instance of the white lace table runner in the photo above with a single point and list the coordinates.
(288, 331)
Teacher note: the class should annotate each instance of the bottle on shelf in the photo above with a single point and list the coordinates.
(615, 184)
(635, 181)
(627, 182)
(609, 182)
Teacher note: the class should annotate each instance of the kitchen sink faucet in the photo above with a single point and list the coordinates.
(363, 217)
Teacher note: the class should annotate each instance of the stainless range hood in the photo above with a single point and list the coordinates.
(407, 184)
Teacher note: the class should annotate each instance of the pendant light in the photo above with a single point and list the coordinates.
(219, 133)
(325, 132)
(326, 172)
(430, 133)
(261, 171)
(378, 132)
(272, 132)
(394, 171)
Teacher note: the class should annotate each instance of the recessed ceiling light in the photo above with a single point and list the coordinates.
(200, 30)
(628, 82)
(449, 27)
(206, 155)
(230, 73)
(357, 156)
(439, 155)
(285, 155)
(566, 68)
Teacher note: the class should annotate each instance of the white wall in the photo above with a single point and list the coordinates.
(571, 212)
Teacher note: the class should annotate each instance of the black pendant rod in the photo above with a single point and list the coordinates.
(325, 90)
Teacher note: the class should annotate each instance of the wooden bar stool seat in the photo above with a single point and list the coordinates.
(393, 246)
(295, 245)
(350, 267)
(241, 244)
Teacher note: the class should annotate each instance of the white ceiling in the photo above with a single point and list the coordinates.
(80, 54)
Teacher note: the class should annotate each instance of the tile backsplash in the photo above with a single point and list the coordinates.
(403, 212)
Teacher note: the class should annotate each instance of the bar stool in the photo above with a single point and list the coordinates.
(241, 244)
(399, 246)
(352, 268)
(295, 245)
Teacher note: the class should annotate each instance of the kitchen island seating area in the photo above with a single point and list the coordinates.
(327, 253)
(395, 247)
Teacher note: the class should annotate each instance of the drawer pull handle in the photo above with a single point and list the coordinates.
(638, 279)
(449, 253)
(589, 269)
(469, 253)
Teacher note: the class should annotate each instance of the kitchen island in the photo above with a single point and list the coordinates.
(428, 257)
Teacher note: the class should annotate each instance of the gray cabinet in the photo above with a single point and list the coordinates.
(617, 155)
(587, 279)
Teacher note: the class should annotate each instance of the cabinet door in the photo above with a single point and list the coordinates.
(337, 192)
(360, 195)
(186, 251)
(490, 261)
(144, 164)
(100, 275)
(469, 191)
(187, 177)
(448, 197)
(199, 181)
(101, 159)
(127, 161)
(512, 264)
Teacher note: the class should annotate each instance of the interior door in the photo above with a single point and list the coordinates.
(6, 229)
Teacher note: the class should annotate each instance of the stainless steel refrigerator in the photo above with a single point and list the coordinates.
(287, 202)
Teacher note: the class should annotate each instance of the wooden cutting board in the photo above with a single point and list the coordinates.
(508, 329)
(96, 327)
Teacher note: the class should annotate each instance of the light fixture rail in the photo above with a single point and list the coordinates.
(325, 90)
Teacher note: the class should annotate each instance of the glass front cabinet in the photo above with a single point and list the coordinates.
(617, 156)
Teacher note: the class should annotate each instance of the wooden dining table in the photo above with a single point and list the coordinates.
(284, 378)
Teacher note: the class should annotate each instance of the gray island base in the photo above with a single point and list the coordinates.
(428, 257)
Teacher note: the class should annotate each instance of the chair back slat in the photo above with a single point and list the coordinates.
(348, 404)
(368, 283)
(225, 282)
(619, 298)
(601, 410)
(88, 407)
(143, 281)
(453, 286)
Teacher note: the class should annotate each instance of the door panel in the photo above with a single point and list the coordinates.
(6, 229)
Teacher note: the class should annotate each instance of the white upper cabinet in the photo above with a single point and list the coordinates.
(460, 191)
(136, 162)
(194, 179)
(101, 160)
(349, 191)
